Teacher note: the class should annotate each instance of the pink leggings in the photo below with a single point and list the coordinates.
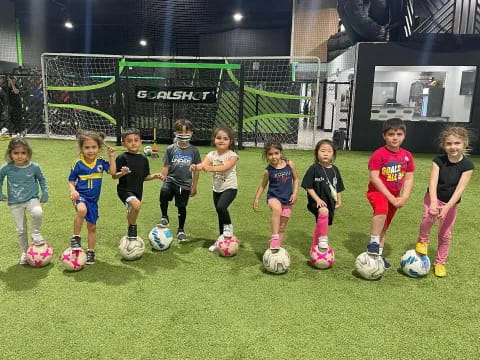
(444, 229)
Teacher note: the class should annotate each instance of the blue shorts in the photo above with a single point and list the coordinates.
(92, 209)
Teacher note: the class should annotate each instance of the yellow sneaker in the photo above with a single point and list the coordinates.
(440, 270)
(421, 248)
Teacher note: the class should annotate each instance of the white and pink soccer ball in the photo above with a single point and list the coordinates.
(322, 259)
(39, 255)
(227, 246)
(74, 259)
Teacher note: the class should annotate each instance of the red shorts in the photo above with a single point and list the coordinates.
(381, 206)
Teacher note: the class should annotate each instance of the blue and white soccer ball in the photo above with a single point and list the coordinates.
(414, 264)
(147, 150)
(160, 238)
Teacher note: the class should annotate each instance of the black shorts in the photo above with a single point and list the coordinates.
(124, 195)
(170, 190)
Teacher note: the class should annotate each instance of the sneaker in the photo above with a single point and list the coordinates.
(440, 270)
(38, 239)
(421, 248)
(132, 232)
(163, 222)
(90, 257)
(75, 242)
(373, 248)
(182, 237)
(213, 247)
(23, 259)
(386, 264)
(275, 243)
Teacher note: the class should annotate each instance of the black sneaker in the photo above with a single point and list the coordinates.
(90, 257)
(132, 232)
(75, 242)
(181, 236)
(386, 264)
(163, 222)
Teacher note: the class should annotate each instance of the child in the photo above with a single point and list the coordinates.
(391, 180)
(177, 176)
(324, 186)
(24, 177)
(85, 183)
(449, 177)
(134, 170)
(282, 179)
(223, 164)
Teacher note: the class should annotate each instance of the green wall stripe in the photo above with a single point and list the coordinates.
(159, 64)
(266, 93)
(86, 87)
(274, 115)
(19, 43)
(86, 108)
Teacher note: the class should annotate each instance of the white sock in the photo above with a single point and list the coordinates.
(380, 252)
(375, 239)
(323, 242)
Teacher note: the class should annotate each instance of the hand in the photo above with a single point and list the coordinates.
(443, 211)
(293, 199)
(193, 191)
(111, 151)
(433, 210)
(156, 176)
(4, 198)
(161, 176)
(338, 204)
(74, 195)
(125, 170)
(193, 167)
(255, 204)
(321, 203)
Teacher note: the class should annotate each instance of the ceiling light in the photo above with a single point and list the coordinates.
(68, 24)
(143, 42)
(237, 17)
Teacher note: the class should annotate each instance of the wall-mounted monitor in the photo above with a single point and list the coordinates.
(467, 83)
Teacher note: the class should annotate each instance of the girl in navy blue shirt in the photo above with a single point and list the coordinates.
(282, 179)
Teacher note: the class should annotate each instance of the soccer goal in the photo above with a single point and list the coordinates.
(262, 99)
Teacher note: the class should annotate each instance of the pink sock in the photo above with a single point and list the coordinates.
(321, 228)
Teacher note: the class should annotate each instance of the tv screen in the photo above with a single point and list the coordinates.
(468, 82)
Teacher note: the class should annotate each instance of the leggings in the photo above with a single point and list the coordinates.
(222, 201)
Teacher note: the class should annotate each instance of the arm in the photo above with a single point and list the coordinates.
(406, 190)
(14, 88)
(380, 186)
(74, 195)
(339, 200)
(462, 184)
(260, 189)
(152, 176)
(296, 183)
(43, 185)
(164, 172)
(111, 157)
(3, 197)
(123, 171)
(205, 162)
(220, 168)
(432, 189)
(314, 196)
(193, 189)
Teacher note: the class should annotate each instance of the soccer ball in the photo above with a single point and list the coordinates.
(322, 259)
(40, 255)
(369, 267)
(414, 264)
(277, 261)
(160, 238)
(131, 249)
(227, 247)
(147, 150)
(74, 259)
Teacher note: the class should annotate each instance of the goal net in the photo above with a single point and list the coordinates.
(263, 99)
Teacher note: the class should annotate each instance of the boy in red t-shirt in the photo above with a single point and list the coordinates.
(391, 180)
